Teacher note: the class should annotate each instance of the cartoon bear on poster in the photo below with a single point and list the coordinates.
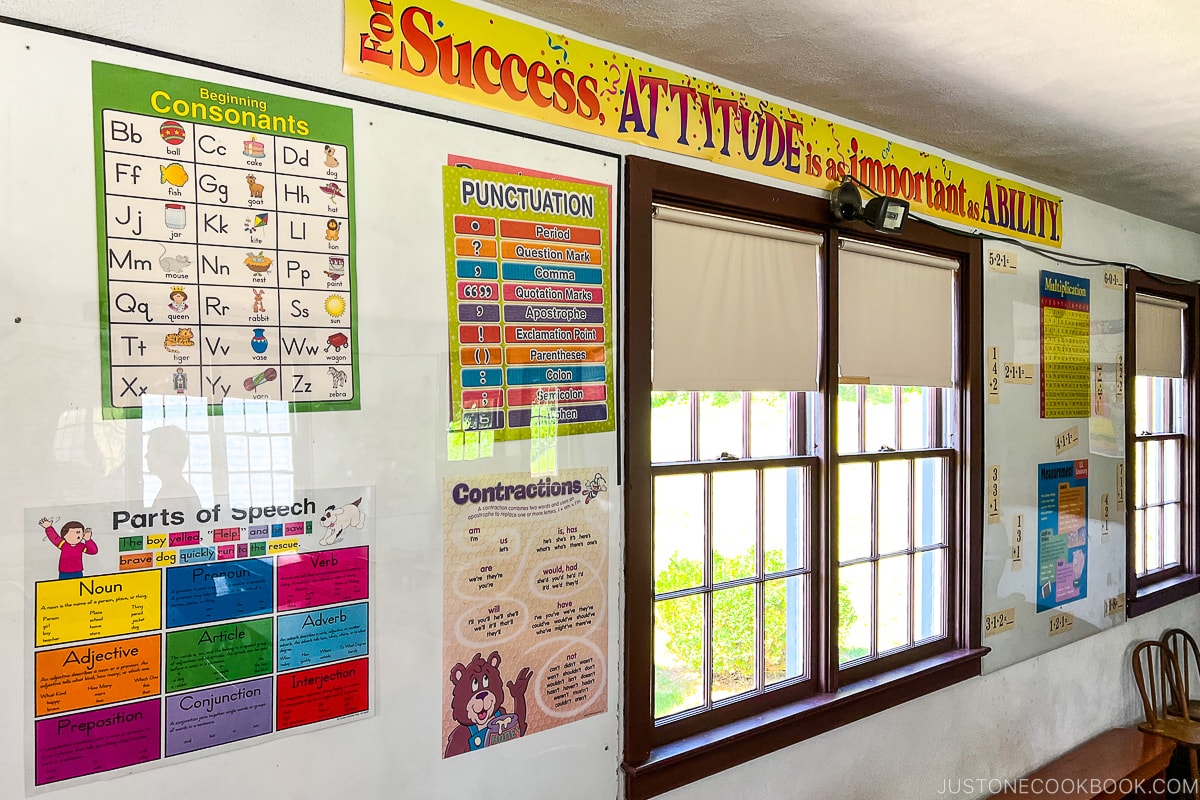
(477, 705)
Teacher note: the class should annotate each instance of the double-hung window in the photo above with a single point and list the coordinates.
(802, 450)
(1160, 415)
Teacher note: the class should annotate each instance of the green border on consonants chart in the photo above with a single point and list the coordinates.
(125, 89)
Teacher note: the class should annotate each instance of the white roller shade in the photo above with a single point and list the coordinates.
(896, 312)
(1159, 339)
(735, 305)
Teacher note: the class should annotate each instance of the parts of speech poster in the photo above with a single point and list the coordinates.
(1066, 345)
(160, 634)
(525, 638)
(1062, 533)
(528, 275)
(226, 225)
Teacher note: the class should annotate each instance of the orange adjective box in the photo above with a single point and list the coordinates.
(95, 674)
(483, 248)
(136, 561)
(523, 355)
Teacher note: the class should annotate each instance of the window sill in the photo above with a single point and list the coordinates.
(1161, 594)
(681, 762)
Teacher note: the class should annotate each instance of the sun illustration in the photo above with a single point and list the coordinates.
(335, 305)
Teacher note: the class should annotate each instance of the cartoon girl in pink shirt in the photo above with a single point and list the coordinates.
(72, 544)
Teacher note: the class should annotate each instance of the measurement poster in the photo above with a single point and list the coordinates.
(1066, 345)
(1062, 533)
(225, 219)
(528, 273)
(525, 637)
(163, 634)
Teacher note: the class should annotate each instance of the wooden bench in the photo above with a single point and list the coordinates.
(1100, 768)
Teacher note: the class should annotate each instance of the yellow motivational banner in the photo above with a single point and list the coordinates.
(467, 54)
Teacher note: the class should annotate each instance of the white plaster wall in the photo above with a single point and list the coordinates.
(998, 726)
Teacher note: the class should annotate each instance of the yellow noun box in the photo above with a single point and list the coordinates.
(77, 609)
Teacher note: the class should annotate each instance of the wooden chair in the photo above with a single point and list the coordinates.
(1187, 654)
(1156, 673)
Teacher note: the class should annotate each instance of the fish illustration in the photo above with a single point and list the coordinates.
(173, 174)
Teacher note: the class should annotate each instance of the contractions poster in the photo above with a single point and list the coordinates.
(528, 263)
(161, 634)
(225, 219)
(525, 639)
(1062, 533)
(1066, 345)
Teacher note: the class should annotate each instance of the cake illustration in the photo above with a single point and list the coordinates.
(253, 148)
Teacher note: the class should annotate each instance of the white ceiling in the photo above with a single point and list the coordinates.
(1100, 98)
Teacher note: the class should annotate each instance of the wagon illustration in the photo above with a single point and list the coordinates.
(337, 341)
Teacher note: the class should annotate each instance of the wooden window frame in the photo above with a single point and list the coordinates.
(654, 762)
(1166, 586)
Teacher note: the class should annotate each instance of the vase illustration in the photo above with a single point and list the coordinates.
(259, 342)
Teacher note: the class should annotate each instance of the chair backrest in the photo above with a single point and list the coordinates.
(1156, 673)
(1187, 654)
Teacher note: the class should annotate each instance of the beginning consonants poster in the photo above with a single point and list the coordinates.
(1062, 533)
(528, 271)
(1066, 345)
(525, 637)
(161, 634)
(225, 219)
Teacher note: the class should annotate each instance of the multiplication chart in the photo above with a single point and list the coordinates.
(1066, 345)
(226, 244)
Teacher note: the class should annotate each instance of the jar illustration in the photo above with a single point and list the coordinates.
(259, 342)
(176, 215)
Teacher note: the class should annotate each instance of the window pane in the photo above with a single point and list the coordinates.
(1139, 475)
(893, 604)
(854, 511)
(929, 595)
(915, 421)
(770, 433)
(678, 532)
(855, 606)
(1171, 515)
(785, 518)
(1153, 538)
(1153, 473)
(784, 628)
(848, 440)
(733, 641)
(929, 501)
(670, 427)
(894, 507)
(1139, 542)
(720, 424)
(1141, 404)
(735, 500)
(678, 654)
(881, 418)
(1178, 404)
(1171, 470)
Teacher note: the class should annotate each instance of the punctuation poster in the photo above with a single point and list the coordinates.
(161, 634)
(225, 219)
(1062, 533)
(525, 638)
(528, 273)
(1066, 345)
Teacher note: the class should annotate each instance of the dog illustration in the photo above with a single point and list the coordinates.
(335, 520)
(339, 377)
(256, 188)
